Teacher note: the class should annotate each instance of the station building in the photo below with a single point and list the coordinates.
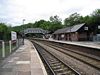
(79, 32)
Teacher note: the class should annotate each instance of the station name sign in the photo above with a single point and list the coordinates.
(13, 35)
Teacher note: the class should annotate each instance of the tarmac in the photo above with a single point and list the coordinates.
(24, 61)
(89, 44)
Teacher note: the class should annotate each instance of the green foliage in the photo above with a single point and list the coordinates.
(38, 24)
(55, 19)
(46, 25)
(55, 23)
(88, 20)
(4, 32)
(3, 27)
(52, 25)
(73, 19)
(96, 16)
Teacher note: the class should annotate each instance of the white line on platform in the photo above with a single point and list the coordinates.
(23, 62)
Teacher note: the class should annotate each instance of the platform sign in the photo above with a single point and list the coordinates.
(13, 35)
(62, 35)
(85, 28)
(98, 26)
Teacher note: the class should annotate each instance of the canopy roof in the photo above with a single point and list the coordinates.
(69, 29)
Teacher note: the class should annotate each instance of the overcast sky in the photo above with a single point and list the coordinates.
(14, 11)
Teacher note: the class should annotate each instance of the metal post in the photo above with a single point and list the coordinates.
(23, 32)
(10, 46)
(70, 34)
(3, 49)
(17, 43)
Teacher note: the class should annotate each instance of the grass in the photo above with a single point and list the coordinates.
(0, 50)
(7, 49)
(13, 46)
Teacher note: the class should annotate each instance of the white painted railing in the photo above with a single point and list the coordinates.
(6, 48)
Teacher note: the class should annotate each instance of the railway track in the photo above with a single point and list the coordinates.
(79, 56)
(56, 66)
(90, 60)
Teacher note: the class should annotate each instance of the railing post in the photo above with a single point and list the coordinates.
(17, 43)
(10, 46)
(3, 49)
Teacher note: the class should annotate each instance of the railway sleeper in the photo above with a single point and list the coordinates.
(65, 71)
(61, 70)
(58, 67)
(51, 60)
(83, 58)
(56, 64)
(58, 71)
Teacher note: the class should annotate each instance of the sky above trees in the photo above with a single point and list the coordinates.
(14, 11)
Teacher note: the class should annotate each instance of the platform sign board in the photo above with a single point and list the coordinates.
(85, 28)
(98, 26)
(13, 35)
(62, 35)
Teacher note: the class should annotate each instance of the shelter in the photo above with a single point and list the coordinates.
(72, 33)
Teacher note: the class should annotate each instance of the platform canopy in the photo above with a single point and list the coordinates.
(35, 30)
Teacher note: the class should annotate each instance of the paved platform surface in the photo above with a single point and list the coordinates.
(25, 61)
(84, 43)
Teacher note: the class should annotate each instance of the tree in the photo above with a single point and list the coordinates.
(96, 16)
(55, 19)
(73, 19)
(4, 32)
(3, 27)
(46, 25)
(55, 23)
(92, 19)
(38, 24)
(88, 20)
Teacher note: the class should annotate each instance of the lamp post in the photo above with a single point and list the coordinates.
(23, 35)
(23, 21)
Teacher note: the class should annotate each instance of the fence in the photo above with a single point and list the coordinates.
(6, 48)
(96, 38)
(0, 49)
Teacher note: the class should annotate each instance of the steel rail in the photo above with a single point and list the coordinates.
(76, 73)
(98, 68)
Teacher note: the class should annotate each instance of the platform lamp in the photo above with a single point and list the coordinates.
(23, 35)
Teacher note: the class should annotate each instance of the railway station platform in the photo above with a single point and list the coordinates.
(89, 44)
(24, 61)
